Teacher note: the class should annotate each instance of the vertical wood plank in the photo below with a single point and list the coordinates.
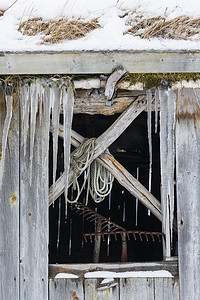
(94, 289)
(9, 208)
(34, 219)
(188, 192)
(137, 288)
(67, 289)
(166, 289)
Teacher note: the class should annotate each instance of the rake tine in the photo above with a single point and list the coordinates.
(103, 238)
(85, 238)
(128, 236)
(90, 238)
(152, 237)
(146, 235)
(158, 236)
(115, 235)
(140, 235)
(134, 235)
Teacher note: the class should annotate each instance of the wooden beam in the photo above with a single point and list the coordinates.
(99, 62)
(188, 191)
(81, 269)
(104, 141)
(124, 178)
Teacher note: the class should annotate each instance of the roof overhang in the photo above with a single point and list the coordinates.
(99, 62)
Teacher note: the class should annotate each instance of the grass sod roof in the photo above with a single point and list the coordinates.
(55, 31)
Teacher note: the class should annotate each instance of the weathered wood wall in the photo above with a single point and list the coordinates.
(188, 191)
(9, 209)
(120, 288)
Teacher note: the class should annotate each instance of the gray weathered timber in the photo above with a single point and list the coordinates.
(166, 289)
(137, 288)
(188, 192)
(66, 289)
(34, 220)
(81, 269)
(114, 289)
(95, 289)
(9, 209)
(102, 62)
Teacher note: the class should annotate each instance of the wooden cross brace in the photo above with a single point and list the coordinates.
(120, 173)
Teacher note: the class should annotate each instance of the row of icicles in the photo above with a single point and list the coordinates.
(45, 99)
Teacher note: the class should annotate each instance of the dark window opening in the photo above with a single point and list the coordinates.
(66, 241)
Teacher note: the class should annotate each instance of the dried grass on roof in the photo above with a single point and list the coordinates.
(55, 31)
(179, 28)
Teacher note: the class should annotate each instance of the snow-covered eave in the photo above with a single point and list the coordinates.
(99, 62)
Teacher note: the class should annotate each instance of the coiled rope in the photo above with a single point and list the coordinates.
(99, 179)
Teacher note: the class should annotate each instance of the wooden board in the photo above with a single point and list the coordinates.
(166, 289)
(9, 210)
(66, 289)
(114, 289)
(102, 62)
(95, 289)
(34, 221)
(188, 192)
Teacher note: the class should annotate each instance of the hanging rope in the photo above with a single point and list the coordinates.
(99, 179)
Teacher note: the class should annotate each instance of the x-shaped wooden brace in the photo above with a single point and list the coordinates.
(120, 173)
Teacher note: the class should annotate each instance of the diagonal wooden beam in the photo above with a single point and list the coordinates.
(122, 175)
(104, 141)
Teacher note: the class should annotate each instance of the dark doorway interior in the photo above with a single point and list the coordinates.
(66, 241)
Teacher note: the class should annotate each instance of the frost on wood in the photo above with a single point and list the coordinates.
(41, 100)
(167, 152)
(9, 103)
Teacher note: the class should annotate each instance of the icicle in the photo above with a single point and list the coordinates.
(33, 94)
(25, 108)
(136, 201)
(9, 102)
(156, 110)
(59, 218)
(124, 212)
(109, 201)
(149, 99)
(70, 238)
(56, 106)
(171, 153)
(68, 102)
(167, 152)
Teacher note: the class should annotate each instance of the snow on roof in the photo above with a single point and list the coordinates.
(113, 17)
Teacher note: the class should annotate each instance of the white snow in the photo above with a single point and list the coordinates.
(111, 34)
(129, 274)
(66, 275)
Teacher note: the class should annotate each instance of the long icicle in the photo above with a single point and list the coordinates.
(149, 99)
(68, 103)
(9, 102)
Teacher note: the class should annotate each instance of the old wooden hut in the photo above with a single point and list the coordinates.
(128, 228)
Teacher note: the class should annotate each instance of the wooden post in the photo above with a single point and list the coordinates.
(97, 243)
(124, 257)
(9, 208)
(34, 218)
(188, 192)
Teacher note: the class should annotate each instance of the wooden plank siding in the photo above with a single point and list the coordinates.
(34, 220)
(9, 209)
(118, 288)
(188, 191)
(99, 62)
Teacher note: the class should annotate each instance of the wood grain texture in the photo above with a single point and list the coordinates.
(34, 220)
(188, 192)
(166, 289)
(9, 209)
(100, 62)
(66, 289)
(95, 289)
(137, 288)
